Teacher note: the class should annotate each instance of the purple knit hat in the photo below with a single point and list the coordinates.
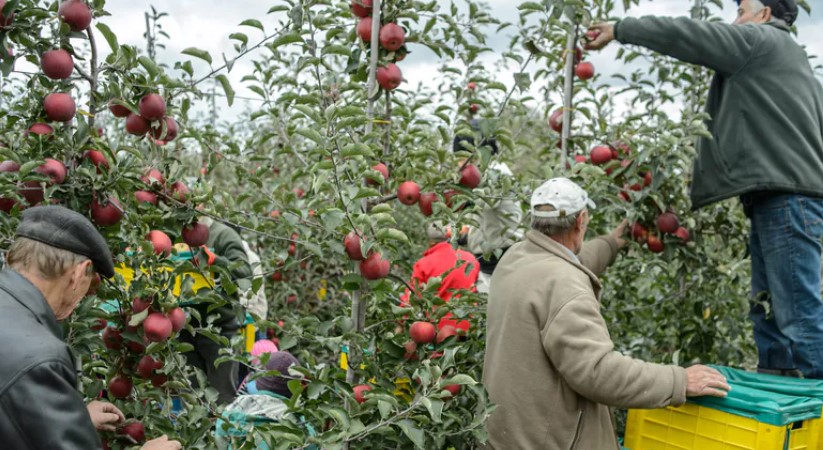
(279, 361)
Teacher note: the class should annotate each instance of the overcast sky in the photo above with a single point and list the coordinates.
(206, 24)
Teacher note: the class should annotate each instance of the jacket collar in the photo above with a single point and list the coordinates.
(24, 292)
(561, 251)
(778, 25)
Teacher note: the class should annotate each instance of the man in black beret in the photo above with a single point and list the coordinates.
(766, 146)
(51, 265)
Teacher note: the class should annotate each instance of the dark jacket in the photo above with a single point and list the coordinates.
(40, 407)
(228, 246)
(765, 104)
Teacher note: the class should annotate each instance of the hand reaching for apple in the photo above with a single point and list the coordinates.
(104, 415)
(618, 233)
(599, 36)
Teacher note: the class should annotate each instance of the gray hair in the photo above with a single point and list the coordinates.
(47, 261)
(553, 226)
(758, 6)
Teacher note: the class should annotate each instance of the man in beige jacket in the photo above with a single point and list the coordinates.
(550, 364)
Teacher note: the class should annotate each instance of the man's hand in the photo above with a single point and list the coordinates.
(104, 415)
(702, 380)
(161, 443)
(599, 36)
(618, 233)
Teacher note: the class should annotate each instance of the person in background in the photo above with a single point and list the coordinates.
(266, 405)
(51, 266)
(498, 226)
(261, 347)
(550, 365)
(458, 269)
(766, 119)
(224, 248)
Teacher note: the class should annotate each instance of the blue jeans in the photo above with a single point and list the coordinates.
(786, 308)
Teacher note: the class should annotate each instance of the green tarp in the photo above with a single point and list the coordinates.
(768, 399)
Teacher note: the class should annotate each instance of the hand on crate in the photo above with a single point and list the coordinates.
(703, 380)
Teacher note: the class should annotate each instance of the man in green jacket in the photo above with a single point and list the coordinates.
(766, 111)
(228, 252)
(550, 365)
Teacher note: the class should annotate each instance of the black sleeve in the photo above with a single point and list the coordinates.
(45, 411)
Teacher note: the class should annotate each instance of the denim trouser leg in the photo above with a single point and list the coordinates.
(787, 310)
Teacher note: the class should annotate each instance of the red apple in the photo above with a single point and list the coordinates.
(146, 197)
(76, 14)
(152, 107)
(59, 107)
(426, 201)
(470, 176)
(120, 387)
(389, 76)
(453, 389)
(655, 244)
(359, 391)
(57, 64)
(471, 86)
(299, 192)
(135, 430)
(291, 299)
(96, 158)
(352, 244)
(99, 325)
(683, 234)
(157, 327)
(601, 154)
(9, 166)
(112, 338)
(159, 380)
(53, 169)
(361, 8)
(411, 351)
(445, 332)
(408, 193)
(147, 366)
(5, 21)
(179, 191)
(6, 204)
(160, 241)
(392, 36)
(170, 132)
(647, 178)
(277, 276)
(580, 159)
(380, 167)
(41, 129)
(106, 215)
(556, 120)
(119, 110)
(584, 70)
(639, 232)
(139, 305)
(422, 332)
(473, 108)
(137, 125)
(364, 29)
(178, 319)
(195, 234)
(153, 176)
(637, 187)
(374, 267)
(667, 222)
(624, 195)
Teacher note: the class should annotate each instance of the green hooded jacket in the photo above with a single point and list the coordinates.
(765, 104)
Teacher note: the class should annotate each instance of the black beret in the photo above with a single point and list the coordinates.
(65, 229)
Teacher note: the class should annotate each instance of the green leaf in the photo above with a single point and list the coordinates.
(149, 65)
(252, 23)
(224, 81)
(392, 234)
(435, 408)
(311, 134)
(357, 149)
(338, 414)
(198, 53)
(523, 81)
(240, 37)
(110, 37)
(288, 38)
(385, 409)
(459, 379)
(415, 434)
(337, 49)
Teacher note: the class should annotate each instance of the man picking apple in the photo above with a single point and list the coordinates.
(766, 122)
(550, 365)
(51, 264)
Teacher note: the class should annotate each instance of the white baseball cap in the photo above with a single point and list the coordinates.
(566, 197)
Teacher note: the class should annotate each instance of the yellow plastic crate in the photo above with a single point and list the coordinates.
(692, 426)
(200, 281)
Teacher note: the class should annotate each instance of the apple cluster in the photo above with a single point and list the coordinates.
(392, 39)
